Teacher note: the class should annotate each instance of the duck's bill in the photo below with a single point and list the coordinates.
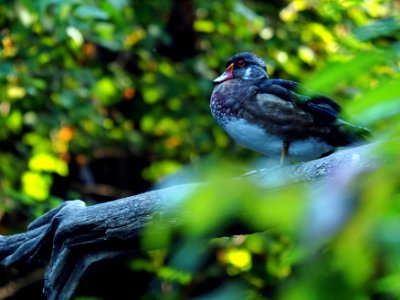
(227, 75)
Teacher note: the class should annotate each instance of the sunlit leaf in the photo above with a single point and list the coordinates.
(204, 26)
(49, 163)
(307, 55)
(239, 258)
(36, 185)
(14, 121)
(106, 91)
(160, 169)
(75, 35)
(16, 92)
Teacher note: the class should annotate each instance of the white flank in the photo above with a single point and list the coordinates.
(258, 140)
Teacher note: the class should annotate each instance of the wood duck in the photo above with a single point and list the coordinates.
(277, 117)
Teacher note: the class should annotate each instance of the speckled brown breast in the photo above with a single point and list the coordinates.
(228, 97)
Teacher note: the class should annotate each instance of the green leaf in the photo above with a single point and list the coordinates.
(91, 11)
(377, 28)
(333, 73)
(379, 103)
(48, 163)
(36, 185)
(106, 91)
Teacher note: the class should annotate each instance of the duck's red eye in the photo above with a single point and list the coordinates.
(241, 63)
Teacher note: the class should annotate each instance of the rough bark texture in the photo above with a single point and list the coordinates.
(72, 237)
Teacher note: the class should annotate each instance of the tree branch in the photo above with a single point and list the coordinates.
(73, 237)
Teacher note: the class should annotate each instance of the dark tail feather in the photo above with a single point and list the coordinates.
(352, 134)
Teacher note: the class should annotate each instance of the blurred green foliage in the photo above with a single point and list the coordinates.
(84, 80)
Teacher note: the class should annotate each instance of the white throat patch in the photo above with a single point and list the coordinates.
(247, 74)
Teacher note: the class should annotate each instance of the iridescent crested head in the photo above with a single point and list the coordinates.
(245, 66)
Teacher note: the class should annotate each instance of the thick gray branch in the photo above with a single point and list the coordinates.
(73, 236)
